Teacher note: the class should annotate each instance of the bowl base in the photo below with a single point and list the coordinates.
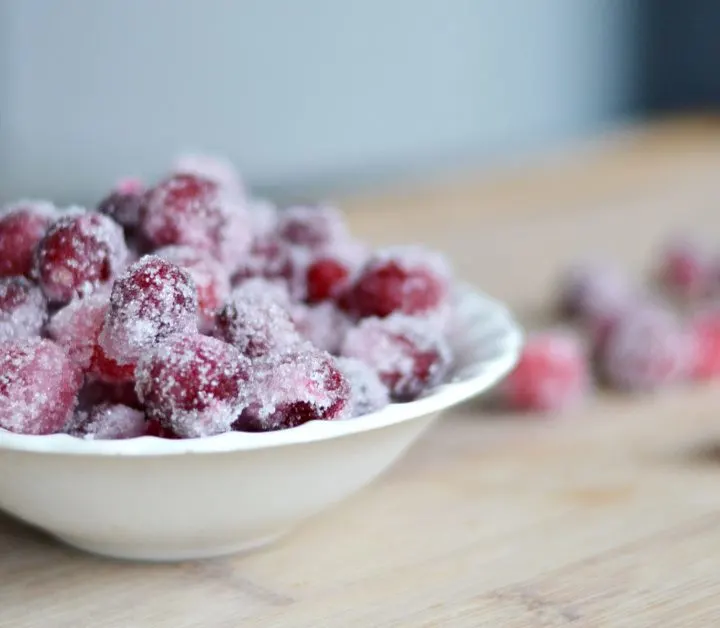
(168, 554)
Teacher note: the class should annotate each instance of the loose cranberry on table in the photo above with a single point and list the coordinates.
(409, 354)
(22, 225)
(685, 269)
(38, 386)
(705, 331)
(23, 309)
(552, 374)
(153, 299)
(193, 385)
(78, 254)
(594, 291)
(293, 387)
(367, 392)
(407, 280)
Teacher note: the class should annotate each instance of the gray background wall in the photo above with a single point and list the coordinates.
(305, 90)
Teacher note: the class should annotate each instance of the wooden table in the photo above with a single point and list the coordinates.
(610, 517)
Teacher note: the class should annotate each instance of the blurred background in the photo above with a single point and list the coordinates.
(315, 96)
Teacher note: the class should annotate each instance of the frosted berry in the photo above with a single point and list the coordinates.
(109, 422)
(22, 225)
(291, 388)
(367, 392)
(123, 203)
(705, 331)
(408, 280)
(38, 386)
(78, 254)
(552, 374)
(23, 309)
(311, 226)
(685, 269)
(213, 167)
(409, 354)
(255, 323)
(323, 324)
(594, 291)
(153, 299)
(212, 281)
(646, 349)
(193, 385)
(326, 278)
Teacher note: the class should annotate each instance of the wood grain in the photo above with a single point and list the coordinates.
(609, 517)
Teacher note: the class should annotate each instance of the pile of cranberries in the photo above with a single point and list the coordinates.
(625, 337)
(188, 309)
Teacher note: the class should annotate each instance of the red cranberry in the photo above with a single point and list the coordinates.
(311, 227)
(326, 278)
(153, 299)
(291, 388)
(123, 203)
(368, 393)
(23, 309)
(409, 354)
(22, 225)
(685, 269)
(78, 254)
(705, 331)
(406, 280)
(323, 324)
(38, 386)
(109, 422)
(193, 385)
(212, 167)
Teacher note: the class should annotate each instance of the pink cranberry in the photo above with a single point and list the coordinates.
(78, 254)
(22, 225)
(38, 386)
(594, 292)
(153, 299)
(311, 227)
(552, 375)
(291, 388)
(685, 269)
(705, 331)
(406, 280)
(210, 276)
(409, 354)
(367, 392)
(193, 385)
(109, 422)
(23, 309)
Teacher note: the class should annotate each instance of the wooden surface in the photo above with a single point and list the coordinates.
(610, 517)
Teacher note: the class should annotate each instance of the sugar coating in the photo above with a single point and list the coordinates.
(323, 324)
(153, 299)
(211, 278)
(646, 349)
(552, 374)
(78, 254)
(213, 167)
(76, 327)
(256, 323)
(410, 354)
(290, 388)
(261, 287)
(108, 422)
(23, 309)
(263, 216)
(38, 386)
(193, 385)
(311, 226)
(22, 225)
(593, 290)
(368, 393)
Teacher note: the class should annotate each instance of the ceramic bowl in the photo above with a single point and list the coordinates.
(167, 500)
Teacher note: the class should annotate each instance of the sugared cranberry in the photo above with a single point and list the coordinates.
(38, 386)
(594, 292)
(123, 203)
(78, 254)
(646, 349)
(213, 167)
(76, 327)
(323, 324)
(407, 280)
(108, 422)
(193, 385)
(291, 388)
(326, 278)
(409, 354)
(311, 226)
(272, 259)
(22, 225)
(368, 393)
(23, 309)
(552, 375)
(705, 331)
(153, 299)
(210, 276)
(192, 210)
(685, 269)
(255, 323)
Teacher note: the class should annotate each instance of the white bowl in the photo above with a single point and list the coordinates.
(166, 500)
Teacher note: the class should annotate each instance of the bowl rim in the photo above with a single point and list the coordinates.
(440, 398)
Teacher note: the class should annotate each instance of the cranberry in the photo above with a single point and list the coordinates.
(705, 331)
(23, 309)
(406, 280)
(153, 299)
(78, 254)
(311, 227)
(22, 225)
(193, 385)
(272, 259)
(211, 279)
(109, 422)
(123, 204)
(368, 393)
(215, 168)
(552, 374)
(685, 269)
(38, 386)
(293, 387)
(409, 354)
(326, 278)
(592, 291)
(323, 324)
